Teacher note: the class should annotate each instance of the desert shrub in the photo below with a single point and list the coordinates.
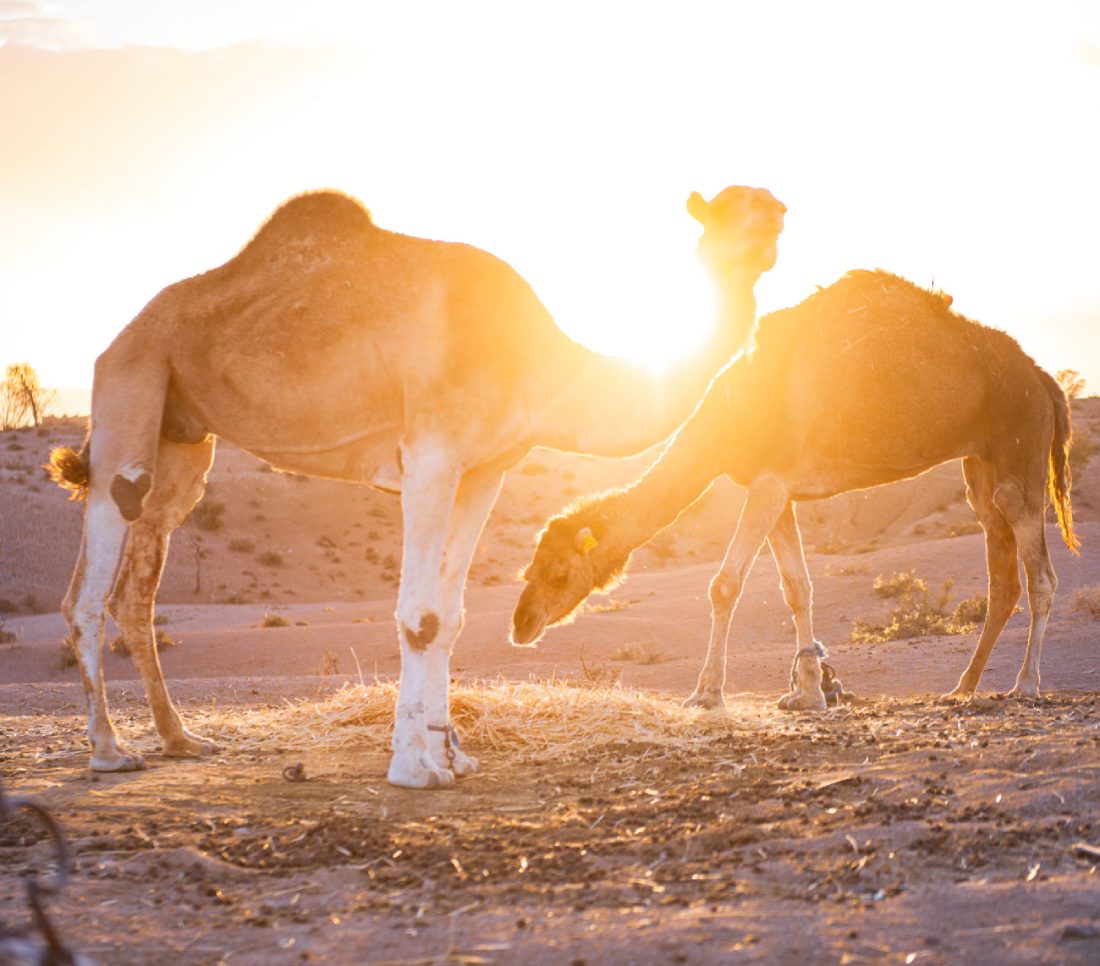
(325, 541)
(6, 636)
(898, 585)
(1086, 600)
(642, 653)
(596, 674)
(274, 620)
(270, 558)
(160, 619)
(916, 616)
(241, 545)
(329, 663)
(208, 515)
(963, 529)
(7, 606)
(163, 641)
(832, 547)
(1082, 450)
(972, 610)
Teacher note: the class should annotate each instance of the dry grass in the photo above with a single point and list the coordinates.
(1087, 601)
(516, 722)
(274, 620)
(643, 653)
(916, 616)
(899, 585)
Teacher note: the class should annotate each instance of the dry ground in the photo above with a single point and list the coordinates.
(891, 829)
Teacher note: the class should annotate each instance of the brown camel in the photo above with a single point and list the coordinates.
(868, 381)
(332, 347)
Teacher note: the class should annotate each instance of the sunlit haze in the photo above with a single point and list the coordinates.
(957, 144)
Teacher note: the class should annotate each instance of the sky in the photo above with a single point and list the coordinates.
(955, 143)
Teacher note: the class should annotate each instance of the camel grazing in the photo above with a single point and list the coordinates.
(332, 347)
(866, 382)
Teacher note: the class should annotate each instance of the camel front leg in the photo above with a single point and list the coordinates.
(786, 545)
(764, 503)
(477, 492)
(84, 607)
(426, 622)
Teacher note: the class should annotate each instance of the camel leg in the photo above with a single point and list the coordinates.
(477, 492)
(1000, 558)
(764, 504)
(1041, 585)
(178, 486)
(426, 623)
(786, 545)
(84, 607)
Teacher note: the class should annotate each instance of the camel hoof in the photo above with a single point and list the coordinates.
(421, 773)
(800, 701)
(120, 761)
(958, 696)
(1024, 691)
(708, 700)
(465, 764)
(188, 745)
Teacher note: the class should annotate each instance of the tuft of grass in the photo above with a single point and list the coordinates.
(899, 585)
(832, 547)
(274, 620)
(917, 616)
(208, 515)
(849, 570)
(1086, 600)
(6, 636)
(642, 653)
(242, 545)
(612, 605)
(963, 529)
(270, 558)
(163, 639)
(330, 664)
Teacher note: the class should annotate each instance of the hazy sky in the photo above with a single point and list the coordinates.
(956, 143)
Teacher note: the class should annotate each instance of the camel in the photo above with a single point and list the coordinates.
(332, 347)
(868, 381)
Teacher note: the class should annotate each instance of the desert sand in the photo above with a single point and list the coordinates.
(891, 828)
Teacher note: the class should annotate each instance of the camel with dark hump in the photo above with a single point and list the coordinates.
(332, 347)
(868, 381)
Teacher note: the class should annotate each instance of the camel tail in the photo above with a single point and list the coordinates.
(1060, 477)
(70, 469)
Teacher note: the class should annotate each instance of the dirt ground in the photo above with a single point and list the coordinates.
(890, 829)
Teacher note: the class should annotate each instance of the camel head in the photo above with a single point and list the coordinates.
(740, 228)
(570, 562)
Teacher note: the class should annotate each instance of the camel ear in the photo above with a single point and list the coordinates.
(697, 207)
(584, 541)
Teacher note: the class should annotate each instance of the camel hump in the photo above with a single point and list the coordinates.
(329, 215)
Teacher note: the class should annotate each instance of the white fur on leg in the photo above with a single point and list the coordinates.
(1027, 681)
(105, 532)
(412, 765)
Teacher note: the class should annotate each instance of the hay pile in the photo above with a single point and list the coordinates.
(514, 721)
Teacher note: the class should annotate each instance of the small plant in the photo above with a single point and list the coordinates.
(329, 663)
(160, 620)
(6, 636)
(832, 547)
(644, 653)
(849, 570)
(274, 620)
(898, 585)
(971, 611)
(596, 675)
(1083, 448)
(963, 529)
(612, 605)
(916, 616)
(67, 655)
(242, 545)
(1086, 600)
(270, 558)
(163, 642)
(325, 541)
(208, 515)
